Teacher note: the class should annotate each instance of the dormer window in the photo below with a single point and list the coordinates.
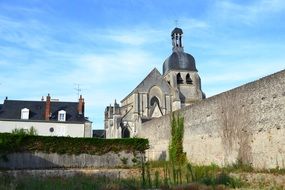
(25, 113)
(61, 115)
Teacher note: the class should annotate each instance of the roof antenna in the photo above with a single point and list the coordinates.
(78, 89)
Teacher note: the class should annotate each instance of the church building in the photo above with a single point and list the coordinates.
(158, 94)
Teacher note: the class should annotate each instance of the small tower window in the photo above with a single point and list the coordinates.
(179, 79)
(188, 79)
(25, 113)
(61, 115)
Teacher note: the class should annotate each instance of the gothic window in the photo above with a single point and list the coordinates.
(153, 100)
(179, 79)
(188, 79)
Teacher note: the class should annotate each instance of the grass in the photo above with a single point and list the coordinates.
(157, 175)
(167, 175)
(84, 182)
(75, 182)
(161, 175)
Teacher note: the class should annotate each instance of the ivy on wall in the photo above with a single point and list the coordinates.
(176, 154)
(10, 143)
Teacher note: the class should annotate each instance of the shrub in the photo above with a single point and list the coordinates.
(10, 143)
(21, 131)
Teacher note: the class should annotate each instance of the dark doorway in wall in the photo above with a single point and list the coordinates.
(125, 132)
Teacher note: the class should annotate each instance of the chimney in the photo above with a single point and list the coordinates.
(80, 105)
(47, 108)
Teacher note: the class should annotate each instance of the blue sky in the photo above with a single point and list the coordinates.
(109, 46)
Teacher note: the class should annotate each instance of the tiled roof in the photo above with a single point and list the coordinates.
(11, 109)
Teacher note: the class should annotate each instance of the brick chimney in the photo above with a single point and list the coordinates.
(80, 107)
(47, 108)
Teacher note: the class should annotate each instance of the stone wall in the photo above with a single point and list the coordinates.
(245, 124)
(41, 160)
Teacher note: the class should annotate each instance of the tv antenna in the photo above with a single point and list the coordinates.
(77, 89)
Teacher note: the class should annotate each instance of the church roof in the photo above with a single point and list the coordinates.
(176, 31)
(179, 60)
(11, 110)
(153, 78)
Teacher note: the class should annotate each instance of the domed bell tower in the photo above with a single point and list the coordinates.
(179, 70)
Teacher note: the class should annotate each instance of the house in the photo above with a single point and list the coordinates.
(49, 117)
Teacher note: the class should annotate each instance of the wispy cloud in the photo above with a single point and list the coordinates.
(42, 53)
(248, 12)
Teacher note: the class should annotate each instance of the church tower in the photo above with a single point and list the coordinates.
(179, 70)
(156, 95)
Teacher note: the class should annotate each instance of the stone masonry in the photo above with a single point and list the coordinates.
(244, 124)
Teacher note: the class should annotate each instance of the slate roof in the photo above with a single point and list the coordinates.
(11, 110)
(176, 31)
(179, 60)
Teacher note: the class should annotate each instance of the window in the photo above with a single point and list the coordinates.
(154, 100)
(25, 113)
(61, 115)
(188, 79)
(179, 79)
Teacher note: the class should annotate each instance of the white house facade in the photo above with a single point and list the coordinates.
(49, 118)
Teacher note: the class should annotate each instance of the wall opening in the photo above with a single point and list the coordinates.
(125, 132)
(188, 79)
(154, 100)
(179, 79)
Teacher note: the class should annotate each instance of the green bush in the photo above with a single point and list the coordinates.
(21, 131)
(10, 143)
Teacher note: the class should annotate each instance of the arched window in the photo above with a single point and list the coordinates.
(154, 100)
(188, 79)
(61, 115)
(25, 113)
(179, 79)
